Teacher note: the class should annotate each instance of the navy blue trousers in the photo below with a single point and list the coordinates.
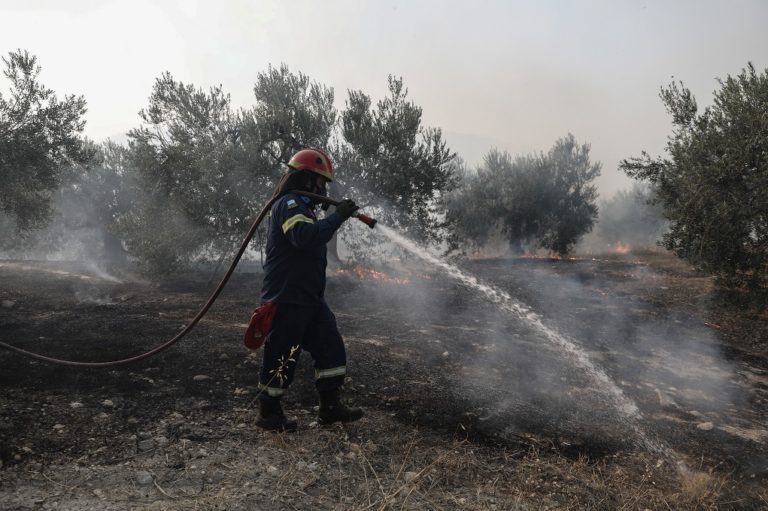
(296, 328)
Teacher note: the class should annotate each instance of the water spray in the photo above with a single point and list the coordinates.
(370, 222)
(627, 409)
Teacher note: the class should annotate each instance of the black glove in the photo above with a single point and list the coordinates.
(346, 208)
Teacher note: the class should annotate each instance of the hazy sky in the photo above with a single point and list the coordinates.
(514, 75)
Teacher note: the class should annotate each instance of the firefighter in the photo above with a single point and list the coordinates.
(294, 284)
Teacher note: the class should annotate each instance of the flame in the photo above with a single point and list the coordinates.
(621, 248)
(362, 273)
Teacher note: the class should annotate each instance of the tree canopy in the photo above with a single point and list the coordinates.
(40, 141)
(545, 200)
(202, 171)
(713, 181)
(198, 175)
(389, 161)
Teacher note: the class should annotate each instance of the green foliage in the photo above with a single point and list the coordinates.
(546, 199)
(291, 113)
(388, 161)
(196, 172)
(713, 184)
(84, 210)
(39, 143)
(203, 171)
(198, 179)
(98, 197)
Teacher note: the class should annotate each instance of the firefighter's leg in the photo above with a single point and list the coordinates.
(281, 351)
(324, 342)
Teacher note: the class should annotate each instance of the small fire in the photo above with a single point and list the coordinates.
(362, 273)
(621, 248)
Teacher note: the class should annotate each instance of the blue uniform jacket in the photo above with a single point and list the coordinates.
(294, 269)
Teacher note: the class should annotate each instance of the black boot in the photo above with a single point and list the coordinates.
(332, 410)
(271, 416)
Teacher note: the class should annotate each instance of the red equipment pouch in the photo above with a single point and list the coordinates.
(260, 325)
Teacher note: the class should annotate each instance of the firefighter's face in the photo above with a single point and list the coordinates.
(320, 185)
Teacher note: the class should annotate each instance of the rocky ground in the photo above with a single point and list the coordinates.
(467, 406)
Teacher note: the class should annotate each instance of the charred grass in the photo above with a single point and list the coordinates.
(153, 436)
(376, 464)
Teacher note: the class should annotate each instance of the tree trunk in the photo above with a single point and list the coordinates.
(333, 250)
(113, 248)
(335, 190)
(215, 271)
(333, 245)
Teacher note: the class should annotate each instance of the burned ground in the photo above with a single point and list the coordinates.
(466, 406)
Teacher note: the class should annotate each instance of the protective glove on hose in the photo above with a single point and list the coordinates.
(346, 208)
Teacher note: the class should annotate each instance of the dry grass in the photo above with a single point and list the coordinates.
(699, 490)
(379, 464)
(411, 469)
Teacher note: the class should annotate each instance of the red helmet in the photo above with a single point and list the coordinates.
(313, 160)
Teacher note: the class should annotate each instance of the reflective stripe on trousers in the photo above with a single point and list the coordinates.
(330, 373)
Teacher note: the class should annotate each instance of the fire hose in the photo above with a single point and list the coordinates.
(370, 222)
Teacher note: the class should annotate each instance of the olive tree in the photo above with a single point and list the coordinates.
(393, 165)
(198, 179)
(291, 112)
(543, 200)
(712, 183)
(40, 142)
(202, 170)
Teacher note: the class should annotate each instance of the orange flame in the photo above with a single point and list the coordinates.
(621, 248)
(368, 274)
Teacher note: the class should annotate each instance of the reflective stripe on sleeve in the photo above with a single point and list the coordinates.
(330, 373)
(294, 220)
(271, 391)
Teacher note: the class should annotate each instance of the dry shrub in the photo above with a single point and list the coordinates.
(699, 490)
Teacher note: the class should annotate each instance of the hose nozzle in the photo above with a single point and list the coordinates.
(370, 222)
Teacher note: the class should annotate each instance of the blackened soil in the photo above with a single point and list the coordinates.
(429, 351)
(457, 362)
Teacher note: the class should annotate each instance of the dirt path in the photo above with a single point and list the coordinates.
(466, 407)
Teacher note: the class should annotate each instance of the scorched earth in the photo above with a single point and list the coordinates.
(466, 406)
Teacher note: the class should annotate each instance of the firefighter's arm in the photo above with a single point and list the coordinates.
(303, 231)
